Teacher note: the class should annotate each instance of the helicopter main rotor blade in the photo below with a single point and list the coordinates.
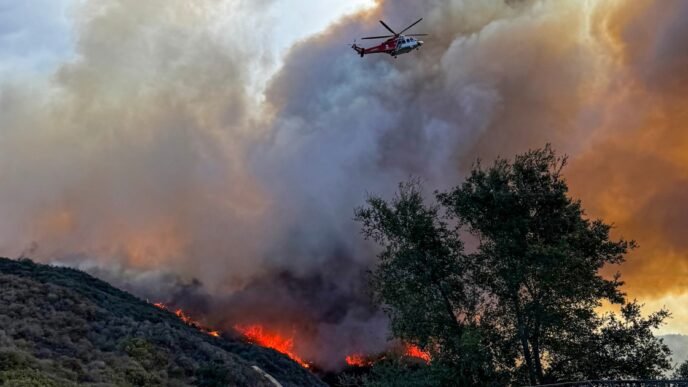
(378, 37)
(417, 35)
(409, 27)
(388, 29)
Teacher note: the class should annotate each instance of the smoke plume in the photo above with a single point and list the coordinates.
(151, 159)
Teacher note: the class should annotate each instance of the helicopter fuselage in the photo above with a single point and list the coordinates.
(394, 47)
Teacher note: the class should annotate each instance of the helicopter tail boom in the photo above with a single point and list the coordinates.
(358, 49)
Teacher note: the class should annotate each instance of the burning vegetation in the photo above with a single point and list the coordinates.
(260, 335)
(358, 360)
(415, 352)
(403, 350)
(187, 319)
(62, 327)
(255, 334)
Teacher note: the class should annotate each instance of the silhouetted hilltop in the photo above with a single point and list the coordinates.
(62, 327)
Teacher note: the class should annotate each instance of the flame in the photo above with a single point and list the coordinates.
(415, 351)
(187, 319)
(358, 360)
(256, 334)
(184, 317)
(405, 350)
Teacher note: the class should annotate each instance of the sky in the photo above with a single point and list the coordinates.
(35, 36)
(38, 35)
(212, 152)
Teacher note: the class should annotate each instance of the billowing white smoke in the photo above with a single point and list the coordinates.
(148, 159)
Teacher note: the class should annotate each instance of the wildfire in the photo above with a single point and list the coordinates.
(188, 320)
(406, 350)
(414, 351)
(256, 334)
(358, 360)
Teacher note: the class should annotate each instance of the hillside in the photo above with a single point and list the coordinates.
(62, 327)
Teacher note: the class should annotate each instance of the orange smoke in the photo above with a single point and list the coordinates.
(634, 172)
(256, 334)
(188, 320)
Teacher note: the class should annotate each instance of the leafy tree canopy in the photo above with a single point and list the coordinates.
(523, 304)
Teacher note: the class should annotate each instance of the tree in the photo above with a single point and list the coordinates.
(622, 347)
(420, 279)
(681, 371)
(531, 289)
(539, 256)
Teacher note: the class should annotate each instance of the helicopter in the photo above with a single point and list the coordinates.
(395, 44)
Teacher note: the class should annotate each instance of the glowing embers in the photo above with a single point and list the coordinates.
(257, 334)
(188, 320)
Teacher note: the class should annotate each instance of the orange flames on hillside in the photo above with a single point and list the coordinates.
(406, 350)
(188, 320)
(256, 334)
(259, 335)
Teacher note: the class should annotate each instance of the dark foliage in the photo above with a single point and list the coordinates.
(420, 281)
(523, 304)
(62, 327)
(681, 371)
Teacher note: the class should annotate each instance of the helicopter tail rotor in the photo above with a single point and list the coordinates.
(358, 49)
